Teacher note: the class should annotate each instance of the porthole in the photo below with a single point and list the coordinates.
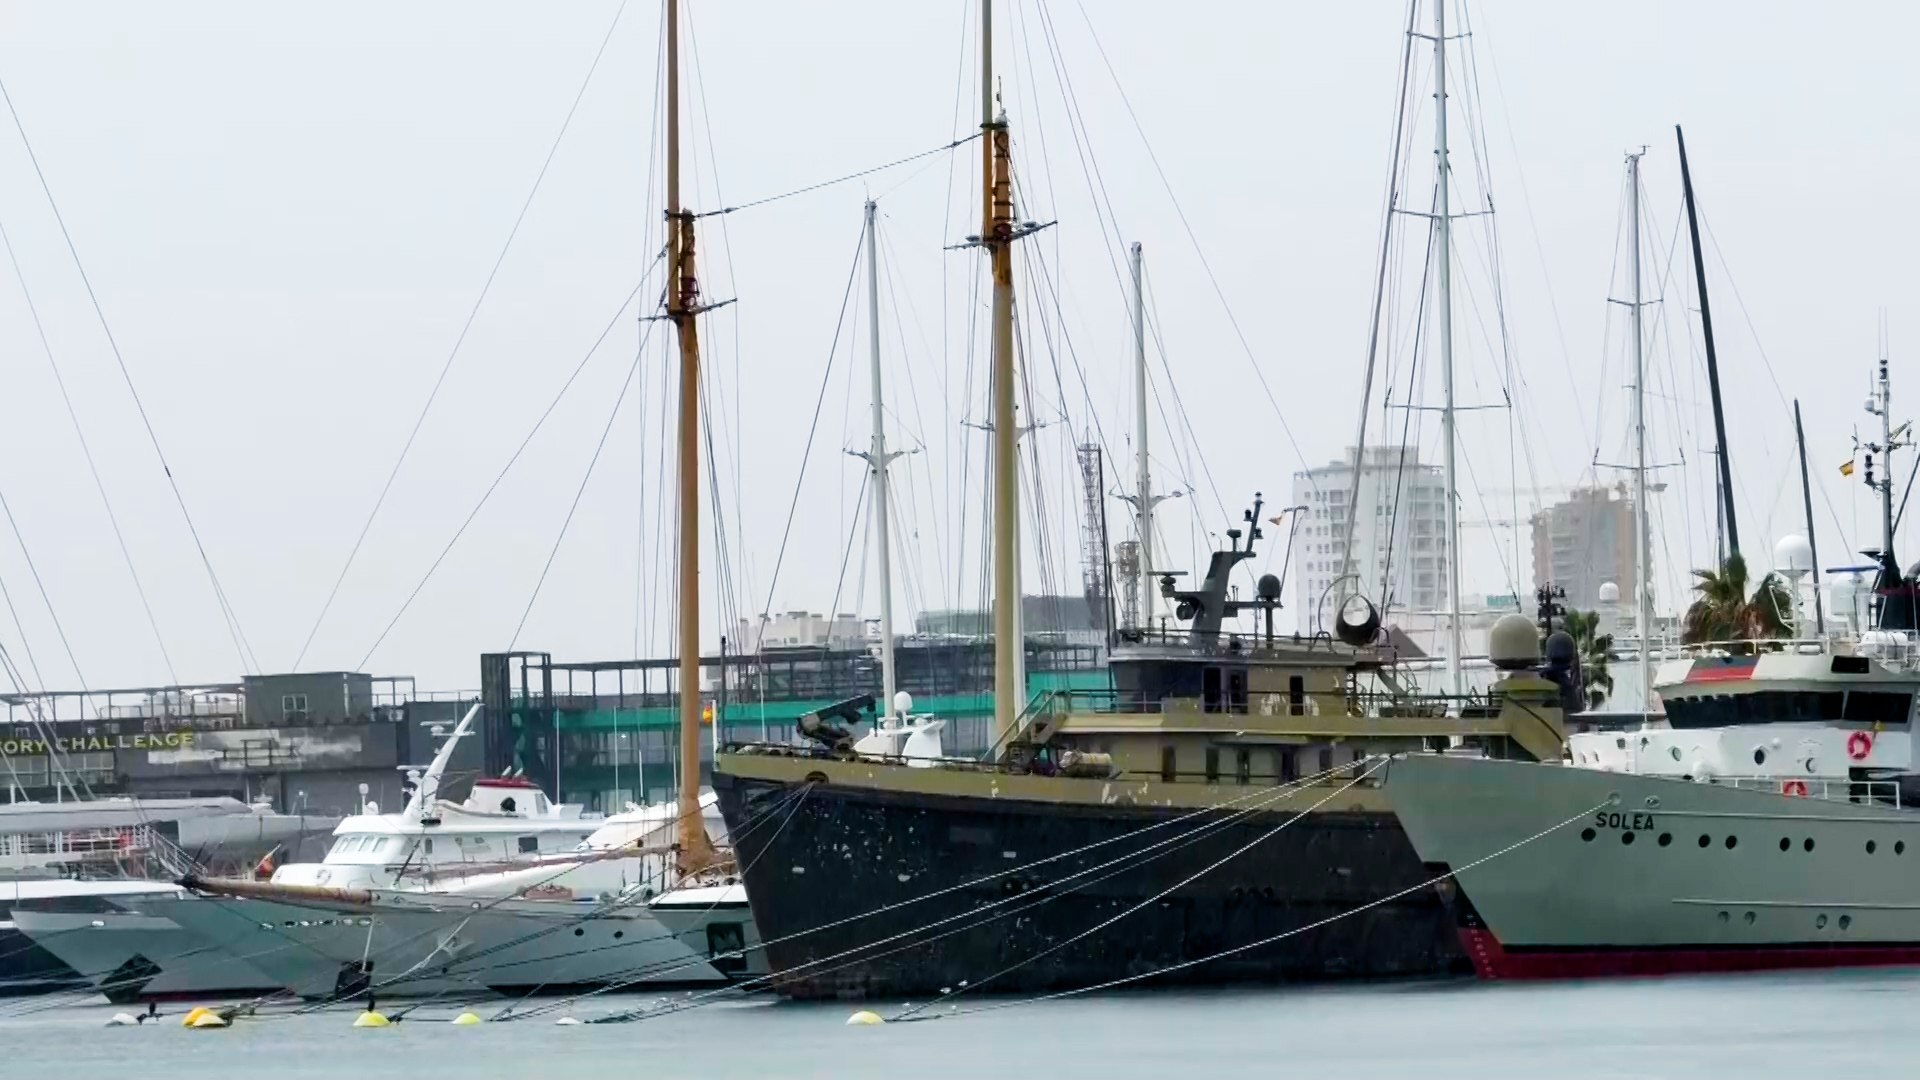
(1820, 922)
(578, 932)
(1807, 844)
(1673, 752)
(1666, 838)
(1870, 846)
(1723, 917)
(1626, 837)
(1747, 918)
(618, 934)
(1785, 844)
(1759, 755)
(1705, 839)
(1587, 835)
(1732, 842)
(1846, 921)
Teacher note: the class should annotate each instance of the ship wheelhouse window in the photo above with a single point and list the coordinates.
(1237, 691)
(1326, 759)
(1877, 707)
(1210, 696)
(529, 844)
(1790, 706)
(1169, 764)
(1243, 766)
(1283, 765)
(1213, 764)
(1296, 696)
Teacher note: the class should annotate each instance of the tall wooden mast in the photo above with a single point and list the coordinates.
(696, 851)
(997, 235)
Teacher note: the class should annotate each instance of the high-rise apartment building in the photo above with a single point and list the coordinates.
(1399, 547)
(1584, 542)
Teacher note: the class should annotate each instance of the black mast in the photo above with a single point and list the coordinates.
(1713, 361)
(1813, 547)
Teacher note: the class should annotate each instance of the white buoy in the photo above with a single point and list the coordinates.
(566, 1021)
(121, 1019)
(864, 1018)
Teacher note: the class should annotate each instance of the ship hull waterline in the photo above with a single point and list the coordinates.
(974, 898)
(1658, 876)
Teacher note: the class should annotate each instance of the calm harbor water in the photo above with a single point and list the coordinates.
(1800, 1025)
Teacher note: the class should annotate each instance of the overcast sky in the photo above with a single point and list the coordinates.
(287, 213)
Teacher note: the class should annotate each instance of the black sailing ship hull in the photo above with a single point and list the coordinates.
(837, 853)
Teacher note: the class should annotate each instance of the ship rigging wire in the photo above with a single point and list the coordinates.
(613, 414)
(538, 423)
(86, 452)
(1126, 860)
(245, 651)
(1270, 939)
(975, 984)
(460, 339)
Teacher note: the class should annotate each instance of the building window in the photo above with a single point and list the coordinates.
(1213, 764)
(1169, 761)
(293, 706)
(1243, 766)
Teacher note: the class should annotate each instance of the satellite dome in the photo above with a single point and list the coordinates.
(1793, 555)
(1609, 593)
(902, 703)
(1269, 587)
(1561, 651)
(1513, 643)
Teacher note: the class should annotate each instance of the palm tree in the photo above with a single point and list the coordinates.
(1596, 648)
(1722, 610)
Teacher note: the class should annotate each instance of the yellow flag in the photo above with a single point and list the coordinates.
(1847, 469)
(706, 713)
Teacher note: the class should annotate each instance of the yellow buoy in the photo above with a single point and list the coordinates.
(864, 1018)
(208, 1019)
(121, 1019)
(466, 1019)
(195, 1013)
(370, 1019)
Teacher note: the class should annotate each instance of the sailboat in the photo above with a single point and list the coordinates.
(1221, 793)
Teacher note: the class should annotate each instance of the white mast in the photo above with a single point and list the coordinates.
(996, 235)
(1143, 497)
(1643, 596)
(1443, 225)
(877, 460)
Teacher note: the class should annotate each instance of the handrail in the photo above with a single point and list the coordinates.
(1849, 791)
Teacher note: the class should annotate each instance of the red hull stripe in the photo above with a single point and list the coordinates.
(1734, 672)
(1492, 961)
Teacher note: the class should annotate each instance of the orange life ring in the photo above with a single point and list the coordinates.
(1795, 788)
(1859, 745)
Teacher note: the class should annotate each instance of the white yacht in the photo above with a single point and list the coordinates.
(60, 862)
(133, 946)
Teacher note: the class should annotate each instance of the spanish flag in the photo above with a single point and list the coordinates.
(1846, 469)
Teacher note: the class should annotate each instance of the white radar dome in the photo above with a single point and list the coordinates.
(902, 703)
(1609, 593)
(1793, 555)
